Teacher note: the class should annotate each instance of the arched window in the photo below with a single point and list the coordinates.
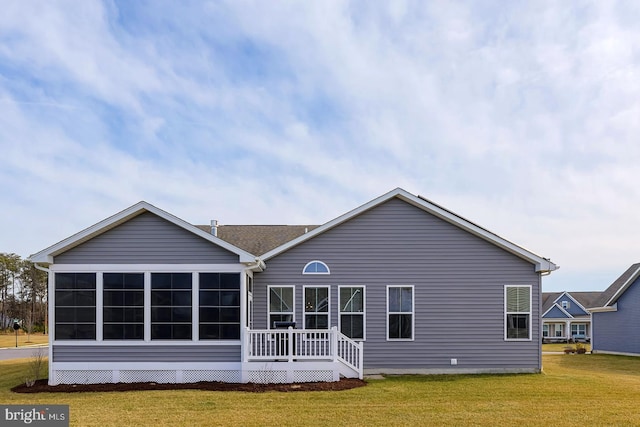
(316, 267)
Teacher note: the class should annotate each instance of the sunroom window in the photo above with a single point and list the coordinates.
(123, 306)
(75, 309)
(171, 306)
(219, 306)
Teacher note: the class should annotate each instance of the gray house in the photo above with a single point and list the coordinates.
(616, 316)
(397, 285)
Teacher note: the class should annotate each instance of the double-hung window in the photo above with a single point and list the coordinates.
(400, 312)
(545, 330)
(316, 307)
(75, 309)
(123, 306)
(281, 306)
(351, 311)
(171, 306)
(517, 315)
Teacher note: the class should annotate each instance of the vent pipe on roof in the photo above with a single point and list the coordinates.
(214, 227)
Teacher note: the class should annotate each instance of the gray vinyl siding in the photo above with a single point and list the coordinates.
(458, 283)
(618, 331)
(146, 353)
(147, 239)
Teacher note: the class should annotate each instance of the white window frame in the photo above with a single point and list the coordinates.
(507, 313)
(304, 270)
(413, 312)
(565, 304)
(147, 269)
(363, 313)
(558, 330)
(316, 313)
(577, 325)
(545, 330)
(269, 312)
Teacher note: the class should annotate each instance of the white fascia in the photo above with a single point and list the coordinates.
(542, 265)
(613, 307)
(624, 287)
(46, 256)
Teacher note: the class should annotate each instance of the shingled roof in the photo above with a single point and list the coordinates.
(616, 286)
(585, 299)
(259, 239)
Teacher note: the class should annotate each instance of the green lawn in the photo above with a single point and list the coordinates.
(604, 390)
(9, 339)
(561, 346)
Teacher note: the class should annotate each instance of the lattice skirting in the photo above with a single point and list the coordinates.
(218, 376)
(275, 375)
(148, 376)
(312, 376)
(83, 377)
(267, 377)
(144, 376)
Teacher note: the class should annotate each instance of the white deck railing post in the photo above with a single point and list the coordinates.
(360, 360)
(334, 343)
(290, 342)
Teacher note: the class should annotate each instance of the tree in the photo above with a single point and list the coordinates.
(9, 270)
(34, 288)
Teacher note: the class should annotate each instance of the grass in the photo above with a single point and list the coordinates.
(605, 390)
(9, 339)
(561, 346)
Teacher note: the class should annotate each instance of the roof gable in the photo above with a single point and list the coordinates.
(46, 255)
(575, 308)
(618, 287)
(541, 264)
(556, 312)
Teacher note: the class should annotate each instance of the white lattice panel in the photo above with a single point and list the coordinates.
(312, 376)
(218, 376)
(148, 376)
(83, 377)
(267, 377)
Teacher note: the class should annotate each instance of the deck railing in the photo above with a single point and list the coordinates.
(291, 345)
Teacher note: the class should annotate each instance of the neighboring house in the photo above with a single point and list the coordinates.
(565, 316)
(397, 285)
(616, 316)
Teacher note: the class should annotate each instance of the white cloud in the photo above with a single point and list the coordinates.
(520, 117)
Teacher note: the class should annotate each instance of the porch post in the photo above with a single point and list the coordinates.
(245, 343)
(568, 332)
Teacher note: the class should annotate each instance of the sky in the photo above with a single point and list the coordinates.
(523, 117)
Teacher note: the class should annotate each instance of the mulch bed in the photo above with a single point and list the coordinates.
(41, 386)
